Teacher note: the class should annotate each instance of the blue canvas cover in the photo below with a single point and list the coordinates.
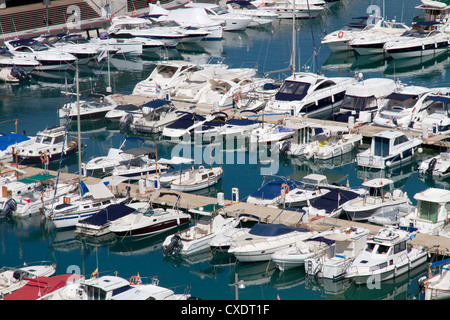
(186, 121)
(9, 139)
(154, 104)
(273, 230)
(271, 190)
(110, 213)
(329, 201)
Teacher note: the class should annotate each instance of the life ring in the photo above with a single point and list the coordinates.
(340, 34)
(44, 157)
(236, 96)
(285, 187)
(134, 280)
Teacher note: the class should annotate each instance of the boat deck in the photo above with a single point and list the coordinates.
(435, 244)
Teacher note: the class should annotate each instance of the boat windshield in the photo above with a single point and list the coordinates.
(358, 103)
(381, 146)
(292, 90)
(44, 139)
(155, 212)
(377, 248)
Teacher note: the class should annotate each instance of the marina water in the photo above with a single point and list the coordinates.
(32, 106)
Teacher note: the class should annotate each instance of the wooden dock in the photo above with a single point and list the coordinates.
(435, 244)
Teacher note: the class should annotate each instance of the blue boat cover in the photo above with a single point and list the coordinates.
(11, 138)
(271, 190)
(273, 230)
(329, 201)
(154, 104)
(242, 122)
(110, 213)
(440, 263)
(186, 121)
(322, 239)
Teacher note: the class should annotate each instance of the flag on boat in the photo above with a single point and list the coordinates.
(94, 274)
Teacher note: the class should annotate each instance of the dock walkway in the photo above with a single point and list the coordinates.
(435, 244)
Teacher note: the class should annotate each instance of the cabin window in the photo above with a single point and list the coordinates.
(204, 176)
(428, 210)
(354, 103)
(292, 90)
(59, 139)
(370, 247)
(400, 140)
(382, 249)
(381, 147)
(96, 293)
(120, 290)
(325, 84)
(399, 247)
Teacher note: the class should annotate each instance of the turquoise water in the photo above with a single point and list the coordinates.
(34, 106)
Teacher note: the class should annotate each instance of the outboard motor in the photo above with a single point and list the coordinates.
(125, 121)
(174, 246)
(431, 166)
(285, 147)
(9, 207)
(19, 73)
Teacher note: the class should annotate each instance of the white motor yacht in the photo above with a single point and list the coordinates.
(49, 59)
(50, 144)
(398, 108)
(431, 214)
(415, 43)
(284, 9)
(371, 41)
(387, 255)
(339, 40)
(260, 16)
(263, 240)
(126, 27)
(184, 127)
(197, 179)
(433, 117)
(149, 220)
(295, 256)
(309, 94)
(115, 288)
(231, 21)
(380, 200)
(349, 242)
(363, 98)
(388, 149)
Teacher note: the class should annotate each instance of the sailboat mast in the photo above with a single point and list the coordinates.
(293, 39)
(78, 120)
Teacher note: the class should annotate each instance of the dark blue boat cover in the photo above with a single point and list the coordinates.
(271, 190)
(110, 213)
(154, 104)
(11, 138)
(186, 121)
(322, 239)
(329, 201)
(242, 122)
(273, 230)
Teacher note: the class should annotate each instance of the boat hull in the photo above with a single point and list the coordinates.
(152, 228)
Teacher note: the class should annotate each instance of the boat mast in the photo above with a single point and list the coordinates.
(78, 121)
(293, 40)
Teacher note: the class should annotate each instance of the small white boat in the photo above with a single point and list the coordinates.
(98, 224)
(9, 142)
(433, 117)
(154, 117)
(50, 144)
(92, 109)
(263, 240)
(121, 110)
(271, 193)
(183, 128)
(362, 100)
(295, 256)
(432, 212)
(261, 18)
(388, 149)
(143, 163)
(378, 201)
(197, 179)
(309, 94)
(309, 188)
(103, 165)
(387, 255)
(349, 242)
(115, 288)
(285, 8)
(339, 40)
(231, 21)
(197, 237)
(437, 166)
(270, 134)
(74, 207)
(14, 278)
(437, 287)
